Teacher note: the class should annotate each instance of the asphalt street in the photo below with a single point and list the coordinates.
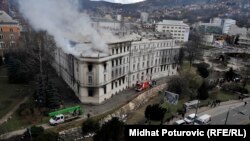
(236, 116)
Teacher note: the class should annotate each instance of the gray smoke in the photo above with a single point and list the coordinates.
(62, 20)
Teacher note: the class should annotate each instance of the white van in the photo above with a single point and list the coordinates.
(203, 120)
(190, 118)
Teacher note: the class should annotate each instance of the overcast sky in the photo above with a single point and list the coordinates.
(121, 1)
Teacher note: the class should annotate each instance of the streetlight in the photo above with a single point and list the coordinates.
(227, 115)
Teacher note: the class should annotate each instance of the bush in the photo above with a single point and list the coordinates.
(202, 70)
(90, 126)
(232, 87)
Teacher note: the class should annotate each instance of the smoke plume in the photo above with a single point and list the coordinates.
(62, 20)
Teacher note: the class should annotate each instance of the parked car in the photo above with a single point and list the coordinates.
(203, 120)
(190, 118)
(180, 122)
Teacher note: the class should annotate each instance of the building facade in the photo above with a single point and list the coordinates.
(4, 6)
(9, 31)
(96, 79)
(244, 40)
(178, 29)
(227, 23)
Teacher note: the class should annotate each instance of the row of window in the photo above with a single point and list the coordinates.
(11, 37)
(173, 31)
(118, 72)
(119, 50)
(2, 44)
(173, 27)
(153, 45)
(159, 69)
(11, 30)
(118, 83)
(120, 61)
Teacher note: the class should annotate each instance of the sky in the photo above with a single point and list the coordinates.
(121, 1)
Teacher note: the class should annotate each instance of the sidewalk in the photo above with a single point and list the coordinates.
(222, 108)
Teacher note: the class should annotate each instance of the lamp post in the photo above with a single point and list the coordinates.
(227, 115)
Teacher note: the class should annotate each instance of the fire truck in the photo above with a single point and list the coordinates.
(140, 86)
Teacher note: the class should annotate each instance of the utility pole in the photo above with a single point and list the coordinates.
(227, 115)
(40, 57)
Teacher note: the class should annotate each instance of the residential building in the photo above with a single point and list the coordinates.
(244, 40)
(235, 30)
(227, 23)
(144, 17)
(97, 78)
(4, 6)
(9, 31)
(178, 29)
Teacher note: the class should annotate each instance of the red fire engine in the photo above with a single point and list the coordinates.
(140, 86)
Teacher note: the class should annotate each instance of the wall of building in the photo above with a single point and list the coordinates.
(179, 32)
(97, 79)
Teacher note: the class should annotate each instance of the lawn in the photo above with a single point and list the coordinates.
(226, 96)
(248, 87)
(11, 94)
(186, 67)
(173, 108)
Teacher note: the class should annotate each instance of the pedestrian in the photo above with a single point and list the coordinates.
(245, 103)
(88, 115)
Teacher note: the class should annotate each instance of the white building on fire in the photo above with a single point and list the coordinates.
(95, 79)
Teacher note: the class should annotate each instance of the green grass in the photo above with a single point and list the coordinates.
(173, 108)
(11, 94)
(226, 96)
(186, 67)
(248, 87)
(17, 122)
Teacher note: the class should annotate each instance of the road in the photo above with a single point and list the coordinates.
(94, 110)
(218, 113)
(236, 115)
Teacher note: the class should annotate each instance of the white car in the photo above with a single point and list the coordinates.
(190, 118)
(57, 120)
(180, 122)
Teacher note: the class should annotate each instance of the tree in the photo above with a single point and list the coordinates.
(46, 95)
(192, 47)
(48, 136)
(203, 91)
(155, 112)
(181, 56)
(38, 134)
(90, 126)
(177, 85)
(112, 130)
(193, 80)
(202, 70)
(229, 75)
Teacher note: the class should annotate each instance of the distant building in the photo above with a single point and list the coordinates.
(244, 40)
(119, 18)
(235, 30)
(96, 77)
(178, 29)
(144, 17)
(208, 39)
(9, 31)
(4, 6)
(216, 21)
(104, 23)
(216, 26)
(227, 23)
